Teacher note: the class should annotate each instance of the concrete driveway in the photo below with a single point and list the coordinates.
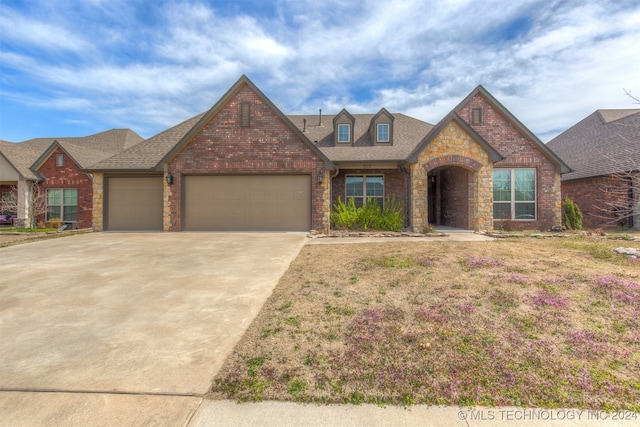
(117, 320)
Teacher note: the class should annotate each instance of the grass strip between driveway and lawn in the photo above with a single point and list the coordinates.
(527, 322)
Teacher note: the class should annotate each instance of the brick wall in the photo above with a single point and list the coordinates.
(268, 146)
(69, 176)
(455, 194)
(519, 152)
(596, 197)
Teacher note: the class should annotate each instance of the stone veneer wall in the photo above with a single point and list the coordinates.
(519, 152)
(268, 146)
(98, 198)
(454, 147)
(69, 176)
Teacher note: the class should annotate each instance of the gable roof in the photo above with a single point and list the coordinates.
(206, 117)
(480, 90)
(21, 158)
(407, 133)
(494, 156)
(28, 156)
(605, 142)
(149, 153)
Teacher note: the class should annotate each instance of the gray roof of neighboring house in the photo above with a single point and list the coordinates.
(407, 133)
(21, 157)
(605, 142)
(28, 155)
(147, 154)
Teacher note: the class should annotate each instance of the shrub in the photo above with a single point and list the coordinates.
(571, 216)
(344, 215)
(368, 217)
(55, 222)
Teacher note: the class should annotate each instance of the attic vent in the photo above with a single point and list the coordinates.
(476, 116)
(245, 114)
(59, 160)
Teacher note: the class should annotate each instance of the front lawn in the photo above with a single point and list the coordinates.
(522, 322)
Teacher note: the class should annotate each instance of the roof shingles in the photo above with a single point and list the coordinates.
(605, 142)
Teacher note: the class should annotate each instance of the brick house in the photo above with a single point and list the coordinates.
(244, 165)
(52, 169)
(603, 150)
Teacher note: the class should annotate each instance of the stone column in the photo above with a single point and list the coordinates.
(98, 202)
(23, 219)
(166, 194)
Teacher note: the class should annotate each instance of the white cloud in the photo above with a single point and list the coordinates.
(26, 31)
(404, 55)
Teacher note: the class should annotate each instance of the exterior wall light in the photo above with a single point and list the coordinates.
(320, 178)
(169, 178)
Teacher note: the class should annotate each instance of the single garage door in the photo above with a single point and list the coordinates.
(247, 203)
(134, 203)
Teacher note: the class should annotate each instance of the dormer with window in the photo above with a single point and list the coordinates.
(343, 124)
(381, 128)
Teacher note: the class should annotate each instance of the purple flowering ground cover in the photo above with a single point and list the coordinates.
(526, 322)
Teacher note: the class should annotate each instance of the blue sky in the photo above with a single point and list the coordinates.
(77, 67)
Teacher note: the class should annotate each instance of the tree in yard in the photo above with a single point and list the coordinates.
(36, 206)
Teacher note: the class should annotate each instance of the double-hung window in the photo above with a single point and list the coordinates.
(514, 194)
(361, 188)
(62, 203)
(383, 132)
(344, 133)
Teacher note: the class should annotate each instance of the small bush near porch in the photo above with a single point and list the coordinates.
(371, 216)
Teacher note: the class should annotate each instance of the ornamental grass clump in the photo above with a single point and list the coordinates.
(370, 216)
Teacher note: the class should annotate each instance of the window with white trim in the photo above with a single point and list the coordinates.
(514, 194)
(62, 203)
(344, 133)
(382, 134)
(361, 188)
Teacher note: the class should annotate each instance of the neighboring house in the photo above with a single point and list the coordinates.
(51, 169)
(604, 152)
(245, 166)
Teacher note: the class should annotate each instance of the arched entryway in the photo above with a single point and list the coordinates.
(452, 183)
(450, 197)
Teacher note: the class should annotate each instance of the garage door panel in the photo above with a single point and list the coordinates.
(134, 203)
(247, 203)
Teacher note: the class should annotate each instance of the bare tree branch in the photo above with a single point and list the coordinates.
(628, 93)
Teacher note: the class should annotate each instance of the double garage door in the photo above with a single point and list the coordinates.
(247, 203)
(214, 203)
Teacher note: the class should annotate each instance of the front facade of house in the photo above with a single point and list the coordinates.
(603, 150)
(43, 180)
(245, 166)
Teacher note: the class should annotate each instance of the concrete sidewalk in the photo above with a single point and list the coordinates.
(225, 413)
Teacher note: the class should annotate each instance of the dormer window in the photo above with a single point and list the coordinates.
(381, 128)
(344, 133)
(382, 132)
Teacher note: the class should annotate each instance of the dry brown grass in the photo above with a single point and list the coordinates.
(526, 322)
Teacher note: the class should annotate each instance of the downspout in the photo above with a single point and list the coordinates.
(331, 194)
(408, 190)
